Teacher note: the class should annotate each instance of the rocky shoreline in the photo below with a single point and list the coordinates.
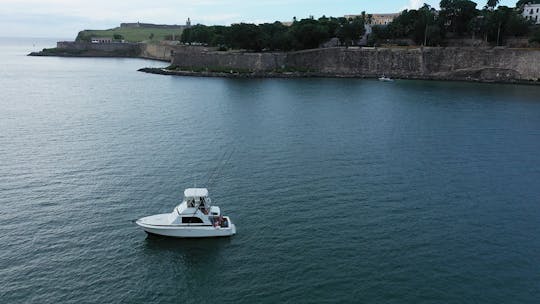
(233, 74)
(81, 55)
(259, 74)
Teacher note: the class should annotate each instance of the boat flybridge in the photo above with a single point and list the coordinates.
(195, 217)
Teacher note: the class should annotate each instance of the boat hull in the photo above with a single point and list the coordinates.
(189, 232)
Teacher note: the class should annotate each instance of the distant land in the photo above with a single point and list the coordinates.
(493, 44)
(136, 32)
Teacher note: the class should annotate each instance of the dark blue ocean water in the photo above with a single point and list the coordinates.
(342, 190)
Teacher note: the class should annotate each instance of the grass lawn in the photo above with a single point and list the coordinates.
(132, 34)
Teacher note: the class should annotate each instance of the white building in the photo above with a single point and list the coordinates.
(532, 12)
(101, 40)
(377, 19)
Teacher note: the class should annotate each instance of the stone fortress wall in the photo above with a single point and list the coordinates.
(99, 47)
(450, 63)
(459, 63)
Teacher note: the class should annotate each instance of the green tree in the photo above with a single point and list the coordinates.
(218, 36)
(245, 36)
(456, 15)
(275, 36)
(331, 24)
(350, 30)
(380, 33)
(421, 25)
(504, 22)
(308, 34)
(197, 34)
(403, 25)
(425, 29)
(118, 36)
(492, 4)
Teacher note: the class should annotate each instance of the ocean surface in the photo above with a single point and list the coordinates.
(342, 190)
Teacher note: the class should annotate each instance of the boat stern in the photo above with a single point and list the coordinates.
(232, 226)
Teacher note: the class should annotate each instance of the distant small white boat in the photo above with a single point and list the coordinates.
(384, 78)
(195, 217)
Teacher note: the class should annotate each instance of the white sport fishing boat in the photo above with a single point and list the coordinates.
(195, 217)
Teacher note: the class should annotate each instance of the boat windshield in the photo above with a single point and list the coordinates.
(199, 202)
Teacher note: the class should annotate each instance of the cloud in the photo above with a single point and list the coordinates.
(414, 4)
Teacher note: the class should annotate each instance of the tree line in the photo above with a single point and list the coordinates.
(303, 34)
(425, 26)
(456, 18)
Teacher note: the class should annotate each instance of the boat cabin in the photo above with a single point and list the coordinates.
(193, 217)
(197, 198)
(196, 208)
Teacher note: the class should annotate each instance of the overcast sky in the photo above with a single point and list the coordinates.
(64, 18)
